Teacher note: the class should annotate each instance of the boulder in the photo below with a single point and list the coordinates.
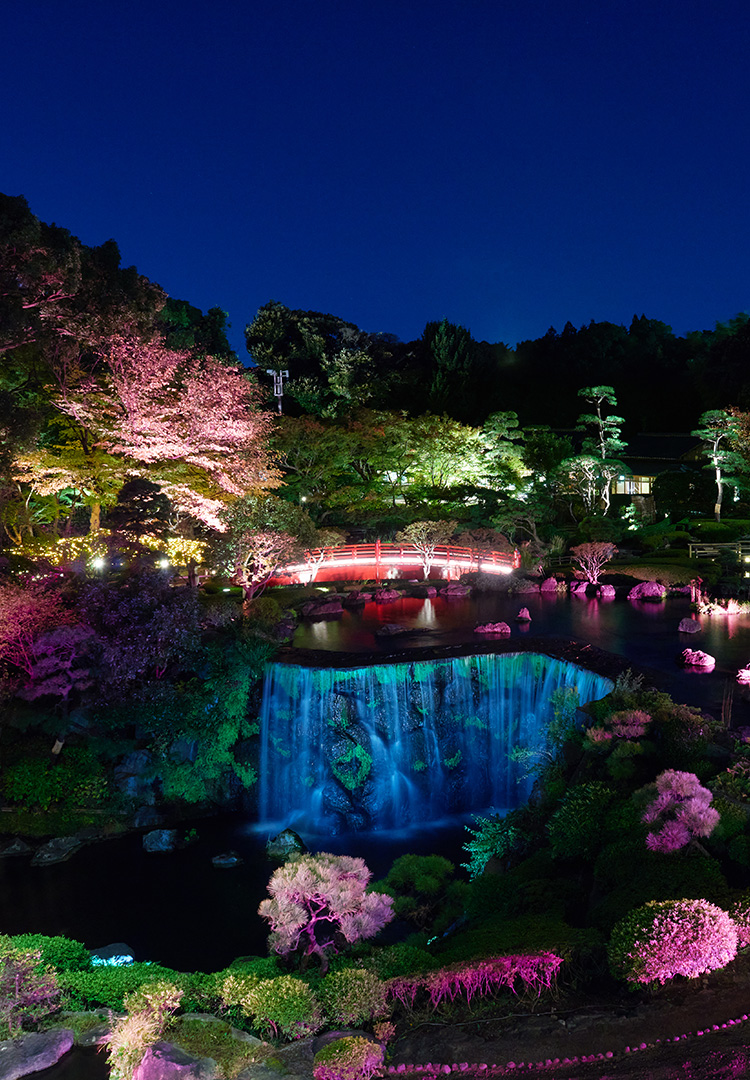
(390, 629)
(606, 592)
(116, 954)
(523, 615)
(578, 588)
(161, 840)
(285, 845)
(162, 1061)
(132, 777)
(147, 817)
(548, 585)
(14, 847)
(523, 585)
(34, 1052)
(689, 626)
(647, 590)
(743, 676)
(227, 860)
(696, 658)
(424, 592)
(492, 628)
(454, 590)
(356, 598)
(329, 608)
(386, 596)
(58, 850)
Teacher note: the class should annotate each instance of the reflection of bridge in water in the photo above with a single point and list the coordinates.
(387, 561)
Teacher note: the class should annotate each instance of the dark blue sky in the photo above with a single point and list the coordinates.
(507, 165)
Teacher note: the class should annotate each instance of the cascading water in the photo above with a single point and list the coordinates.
(394, 744)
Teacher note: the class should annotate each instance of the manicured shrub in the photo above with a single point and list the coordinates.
(284, 1006)
(350, 1058)
(665, 938)
(575, 828)
(400, 959)
(106, 987)
(353, 996)
(63, 954)
(418, 885)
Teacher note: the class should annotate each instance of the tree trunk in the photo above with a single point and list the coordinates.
(95, 518)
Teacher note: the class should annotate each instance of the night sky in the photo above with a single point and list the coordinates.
(507, 165)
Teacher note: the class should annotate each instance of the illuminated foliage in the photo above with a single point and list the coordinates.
(320, 904)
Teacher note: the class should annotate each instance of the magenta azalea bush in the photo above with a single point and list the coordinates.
(680, 812)
(479, 977)
(319, 903)
(665, 938)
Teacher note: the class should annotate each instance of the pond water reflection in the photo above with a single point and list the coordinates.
(643, 632)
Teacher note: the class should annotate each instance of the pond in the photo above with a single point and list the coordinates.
(180, 910)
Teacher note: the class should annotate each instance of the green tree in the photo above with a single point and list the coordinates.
(718, 430)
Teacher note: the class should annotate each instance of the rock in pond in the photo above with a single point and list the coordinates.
(386, 596)
(285, 845)
(548, 585)
(492, 628)
(606, 592)
(454, 590)
(14, 847)
(58, 850)
(689, 626)
(160, 840)
(34, 1052)
(696, 658)
(227, 859)
(648, 590)
(523, 615)
(390, 629)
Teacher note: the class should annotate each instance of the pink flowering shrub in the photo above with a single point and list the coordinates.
(350, 1058)
(680, 812)
(479, 977)
(665, 938)
(627, 724)
(319, 904)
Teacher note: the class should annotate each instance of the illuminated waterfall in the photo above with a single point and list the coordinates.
(394, 744)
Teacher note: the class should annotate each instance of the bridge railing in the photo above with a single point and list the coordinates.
(385, 560)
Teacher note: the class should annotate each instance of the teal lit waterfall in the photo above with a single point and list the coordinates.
(393, 744)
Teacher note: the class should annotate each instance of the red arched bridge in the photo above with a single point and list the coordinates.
(385, 561)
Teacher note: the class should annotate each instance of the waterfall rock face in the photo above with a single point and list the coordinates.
(391, 745)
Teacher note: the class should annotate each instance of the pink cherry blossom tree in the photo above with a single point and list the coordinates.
(319, 904)
(162, 408)
(592, 558)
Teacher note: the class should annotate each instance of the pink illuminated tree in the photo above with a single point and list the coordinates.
(680, 813)
(592, 558)
(319, 905)
(25, 613)
(161, 407)
(262, 534)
